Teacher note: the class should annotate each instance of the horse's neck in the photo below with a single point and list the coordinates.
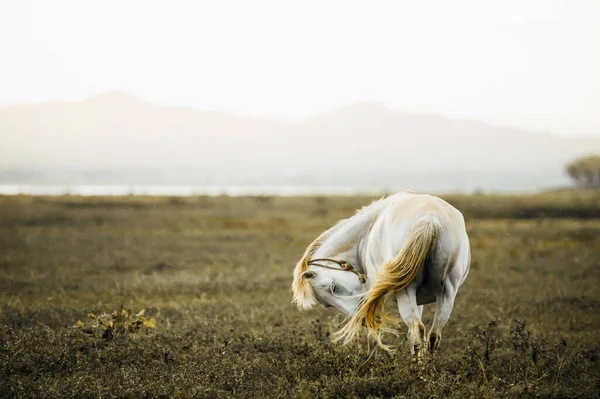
(342, 239)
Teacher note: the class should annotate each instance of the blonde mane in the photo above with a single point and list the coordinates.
(304, 295)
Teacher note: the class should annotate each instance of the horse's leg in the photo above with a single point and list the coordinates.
(443, 307)
(445, 296)
(411, 315)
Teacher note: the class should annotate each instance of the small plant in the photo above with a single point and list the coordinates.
(116, 324)
(487, 337)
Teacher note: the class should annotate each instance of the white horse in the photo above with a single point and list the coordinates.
(410, 247)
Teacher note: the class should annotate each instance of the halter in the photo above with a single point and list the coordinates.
(345, 266)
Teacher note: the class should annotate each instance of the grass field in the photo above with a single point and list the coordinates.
(213, 274)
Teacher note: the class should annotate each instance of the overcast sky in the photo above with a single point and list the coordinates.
(528, 63)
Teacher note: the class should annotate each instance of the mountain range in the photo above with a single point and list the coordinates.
(116, 138)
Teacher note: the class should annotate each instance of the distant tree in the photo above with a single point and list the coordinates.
(585, 171)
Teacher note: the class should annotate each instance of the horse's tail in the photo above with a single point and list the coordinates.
(393, 276)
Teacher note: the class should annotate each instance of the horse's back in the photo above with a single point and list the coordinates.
(409, 207)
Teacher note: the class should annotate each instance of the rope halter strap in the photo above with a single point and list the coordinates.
(345, 266)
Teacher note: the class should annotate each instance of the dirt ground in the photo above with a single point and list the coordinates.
(212, 275)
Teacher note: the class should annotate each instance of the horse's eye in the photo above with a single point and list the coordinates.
(333, 288)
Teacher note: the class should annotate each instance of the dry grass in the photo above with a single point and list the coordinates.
(214, 274)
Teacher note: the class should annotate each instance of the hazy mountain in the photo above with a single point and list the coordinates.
(116, 138)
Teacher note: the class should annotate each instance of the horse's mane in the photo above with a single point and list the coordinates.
(304, 296)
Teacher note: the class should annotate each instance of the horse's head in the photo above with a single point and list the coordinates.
(335, 288)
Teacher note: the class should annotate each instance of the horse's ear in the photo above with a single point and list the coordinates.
(309, 274)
